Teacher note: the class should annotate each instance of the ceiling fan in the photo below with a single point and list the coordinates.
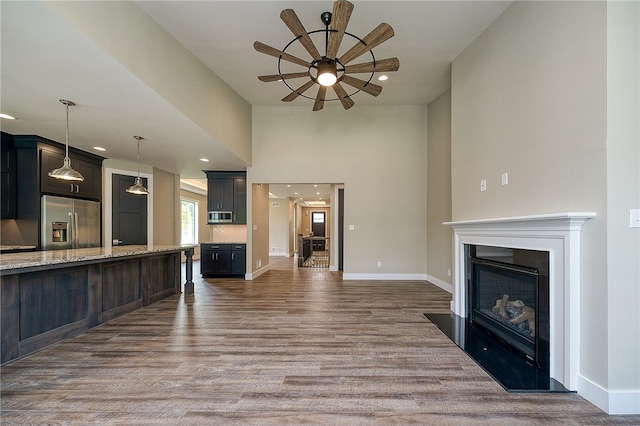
(329, 69)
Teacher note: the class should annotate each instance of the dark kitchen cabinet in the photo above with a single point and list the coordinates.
(215, 260)
(220, 194)
(240, 201)
(222, 260)
(8, 178)
(90, 187)
(238, 259)
(227, 191)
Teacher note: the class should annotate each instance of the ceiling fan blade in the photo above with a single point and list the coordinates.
(383, 65)
(370, 88)
(272, 51)
(345, 100)
(339, 20)
(378, 35)
(278, 77)
(291, 20)
(319, 103)
(299, 91)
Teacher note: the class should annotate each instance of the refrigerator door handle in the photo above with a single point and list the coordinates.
(74, 230)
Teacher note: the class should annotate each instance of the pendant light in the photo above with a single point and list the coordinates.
(137, 188)
(66, 172)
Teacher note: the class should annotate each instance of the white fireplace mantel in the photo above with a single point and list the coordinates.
(558, 234)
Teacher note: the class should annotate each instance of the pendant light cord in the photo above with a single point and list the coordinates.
(66, 152)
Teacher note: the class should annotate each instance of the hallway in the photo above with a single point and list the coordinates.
(294, 346)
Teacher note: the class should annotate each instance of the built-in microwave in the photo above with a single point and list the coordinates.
(220, 217)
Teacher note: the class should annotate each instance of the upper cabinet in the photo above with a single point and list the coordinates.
(90, 187)
(220, 194)
(8, 178)
(38, 156)
(227, 191)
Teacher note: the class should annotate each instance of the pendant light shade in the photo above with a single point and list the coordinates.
(137, 188)
(66, 172)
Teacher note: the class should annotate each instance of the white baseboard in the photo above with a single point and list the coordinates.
(442, 284)
(611, 402)
(385, 277)
(278, 254)
(255, 274)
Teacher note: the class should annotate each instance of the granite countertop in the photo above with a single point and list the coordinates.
(4, 248)
(11, 261)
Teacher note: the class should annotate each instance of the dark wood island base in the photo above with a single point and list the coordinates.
(50, 296)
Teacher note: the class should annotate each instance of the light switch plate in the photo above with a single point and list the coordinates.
(634, 218)
(483, 185)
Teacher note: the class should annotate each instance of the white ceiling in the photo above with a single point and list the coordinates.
(45, 59)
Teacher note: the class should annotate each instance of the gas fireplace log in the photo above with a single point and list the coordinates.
(501, 306)
(528, 314)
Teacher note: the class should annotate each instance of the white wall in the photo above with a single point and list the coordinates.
(530, 97)
(379, 153)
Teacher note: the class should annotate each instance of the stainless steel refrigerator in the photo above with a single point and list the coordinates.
(69, 223)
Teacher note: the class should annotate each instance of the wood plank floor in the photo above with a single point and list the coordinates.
(295, 346)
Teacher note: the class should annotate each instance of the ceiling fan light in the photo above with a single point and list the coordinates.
(327, 75)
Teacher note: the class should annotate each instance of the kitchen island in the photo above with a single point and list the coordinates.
(49, 296)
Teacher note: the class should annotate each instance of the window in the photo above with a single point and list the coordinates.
(189, 213)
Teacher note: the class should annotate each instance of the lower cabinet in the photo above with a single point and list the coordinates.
(222, 260)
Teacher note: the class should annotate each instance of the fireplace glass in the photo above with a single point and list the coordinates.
(510, 300)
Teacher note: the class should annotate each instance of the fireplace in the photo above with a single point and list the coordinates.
(557, 234)
(509, 296)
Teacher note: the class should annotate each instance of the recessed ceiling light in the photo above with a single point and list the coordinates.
(99, 148)
(382, 78)
(7, 116)
(204, 160)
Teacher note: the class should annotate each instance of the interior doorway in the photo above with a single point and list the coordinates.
(318, 229)
(128, 213)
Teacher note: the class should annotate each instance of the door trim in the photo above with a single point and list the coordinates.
(107, 202)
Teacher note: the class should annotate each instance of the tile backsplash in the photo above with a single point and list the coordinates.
(228, 233)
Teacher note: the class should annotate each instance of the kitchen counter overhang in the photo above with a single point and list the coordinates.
(50, 296)
(16, 263)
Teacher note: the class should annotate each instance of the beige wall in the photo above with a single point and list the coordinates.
(166, 208)
(258, 229)
(439, 237)
(623, 193)
(530, 97)
(279, 227)
(379, 153)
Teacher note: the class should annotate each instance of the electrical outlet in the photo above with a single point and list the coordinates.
(483, 185)
(449, 272)
(352, 227)
(379, 264)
